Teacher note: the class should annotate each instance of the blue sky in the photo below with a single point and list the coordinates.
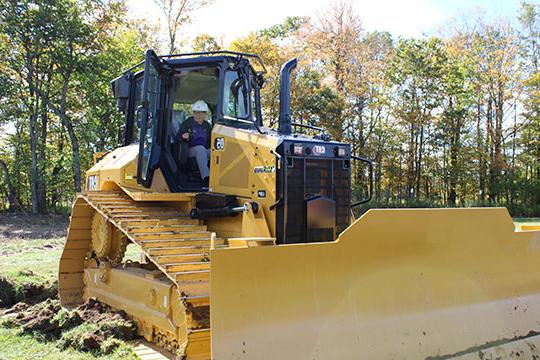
(229, 19)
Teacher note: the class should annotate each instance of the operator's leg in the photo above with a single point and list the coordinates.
(202, 155)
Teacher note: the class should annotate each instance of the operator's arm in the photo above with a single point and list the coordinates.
(186, 133)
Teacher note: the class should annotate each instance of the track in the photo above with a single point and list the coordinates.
(175, 244)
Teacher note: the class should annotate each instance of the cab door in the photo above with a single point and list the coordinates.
(149, 115)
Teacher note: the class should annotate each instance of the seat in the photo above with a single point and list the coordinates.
(179, 148)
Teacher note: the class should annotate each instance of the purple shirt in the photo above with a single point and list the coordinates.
(199, 135)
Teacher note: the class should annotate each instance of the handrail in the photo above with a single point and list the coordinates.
(205, 53)
(370, 163)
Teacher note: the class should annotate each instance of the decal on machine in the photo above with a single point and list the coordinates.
(219, 143)
(264, 169)
(319, 150)
(92, 183)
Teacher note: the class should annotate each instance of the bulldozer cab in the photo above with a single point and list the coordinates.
(157, 100)
(301, 181)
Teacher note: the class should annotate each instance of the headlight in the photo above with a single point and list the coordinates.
(340, 151)
(298, 149)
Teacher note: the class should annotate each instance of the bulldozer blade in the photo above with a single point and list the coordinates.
(397, 284)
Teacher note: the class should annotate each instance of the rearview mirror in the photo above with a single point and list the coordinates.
(120, 90)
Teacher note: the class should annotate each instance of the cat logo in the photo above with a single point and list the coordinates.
(219, 143)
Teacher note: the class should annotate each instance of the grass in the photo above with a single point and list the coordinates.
(526, 221)
(37, 260)
(30, 250)
(14, 347)
(34, 260)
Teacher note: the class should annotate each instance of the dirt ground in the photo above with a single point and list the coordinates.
(30, 247)
(93, 326)
(21, 226)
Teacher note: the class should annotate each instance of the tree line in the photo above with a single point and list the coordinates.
(449, 120)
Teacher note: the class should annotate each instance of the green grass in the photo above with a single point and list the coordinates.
(31, 260)
(526, 221)
(23, 347)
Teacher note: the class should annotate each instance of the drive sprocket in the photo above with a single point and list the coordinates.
(101, 235)
(108, 242)
(118, 247)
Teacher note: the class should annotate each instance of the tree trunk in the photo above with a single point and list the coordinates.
(41, 187)
(75, 156)
(11, 191)
(454, 153)
(34, 106)
(480, 151)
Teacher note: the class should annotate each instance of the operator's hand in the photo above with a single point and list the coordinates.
(185, 136)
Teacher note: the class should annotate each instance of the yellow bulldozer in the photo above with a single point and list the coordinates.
(264, 259)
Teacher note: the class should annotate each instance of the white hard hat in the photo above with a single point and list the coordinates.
(199, 105)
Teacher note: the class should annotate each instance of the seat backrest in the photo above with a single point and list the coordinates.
(178, 117)
(179, 148)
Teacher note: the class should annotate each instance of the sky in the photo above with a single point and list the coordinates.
(230, 19)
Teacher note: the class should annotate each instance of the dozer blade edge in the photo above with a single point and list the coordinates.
(397, 284)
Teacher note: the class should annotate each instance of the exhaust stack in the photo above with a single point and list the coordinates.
(285, 127)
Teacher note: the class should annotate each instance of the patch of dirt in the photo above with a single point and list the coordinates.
(22, 226)
(30, 293)
(201, 314)
(7, 293)
(92, 326)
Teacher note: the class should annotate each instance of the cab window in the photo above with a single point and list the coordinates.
(192, 85)
(236, 100)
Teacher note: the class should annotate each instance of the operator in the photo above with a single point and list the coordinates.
(197, 132)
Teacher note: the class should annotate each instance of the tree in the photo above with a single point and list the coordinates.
(416, 72)
(177, 13)
(530, 43)
(53, 60)
(205, 42)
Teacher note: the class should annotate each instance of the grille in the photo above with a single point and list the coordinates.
(307, 178)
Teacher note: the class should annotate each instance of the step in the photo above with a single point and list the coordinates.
(198, 301)
(115, 203)
(174, 243)
(124, 216)
(169, 228)
(194, 289)
(172, 236)
(187, 266)
(102, 194)
(107, 198)
(199, 333)
(124, 210)
(154, 222)
(197, 275)
(161, 210)
(171, 259)
(198, 346)
(178, 250)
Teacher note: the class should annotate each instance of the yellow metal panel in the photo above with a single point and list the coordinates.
(254, 225)
(233, 169)
(398, 284)
(119, 169)
(530, 227)
(143, 298)
(157, 196)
